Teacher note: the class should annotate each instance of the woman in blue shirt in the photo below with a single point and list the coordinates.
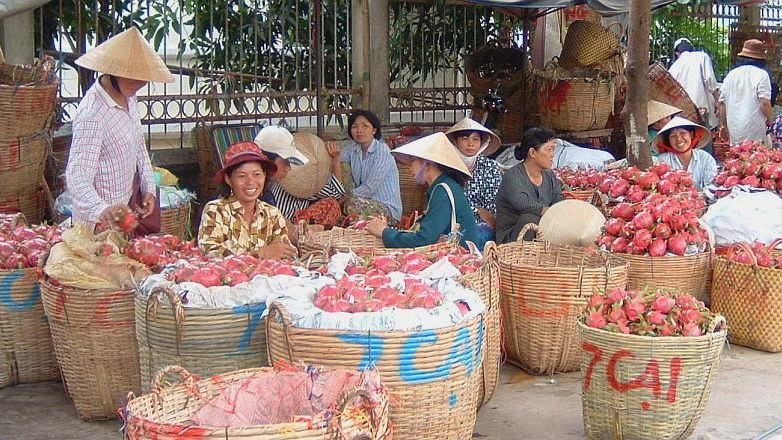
(373, 169)
(434, 162)
(680, 145)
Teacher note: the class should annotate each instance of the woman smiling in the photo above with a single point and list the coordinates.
(680, 143)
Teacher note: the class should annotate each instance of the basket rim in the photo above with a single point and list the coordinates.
(708, 336)
(616, 262)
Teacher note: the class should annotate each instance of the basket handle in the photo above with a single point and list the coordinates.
(176, 306)
(621, 28)
(346, 399)
(528, 227)
(278, 309)
(187, 378)
(717, 324)
(773, 245)
(739, 247)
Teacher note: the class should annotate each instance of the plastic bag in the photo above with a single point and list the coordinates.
(744, 216)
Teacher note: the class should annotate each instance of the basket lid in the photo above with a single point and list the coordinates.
(558, 226)
(306, 180)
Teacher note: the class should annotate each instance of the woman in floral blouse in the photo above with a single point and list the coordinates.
(238, 222)
(472, 140)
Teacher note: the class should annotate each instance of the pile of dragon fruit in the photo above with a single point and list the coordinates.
(228, 271)
(651, 313)
(412, 262)
(752, 164)
(157, 251)
(756, 254)
(23, 246)
(375, 292)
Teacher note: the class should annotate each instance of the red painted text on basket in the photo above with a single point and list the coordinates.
(13, 157)
(576, 13)
(561, 311)
(649, 379)
(102, 311)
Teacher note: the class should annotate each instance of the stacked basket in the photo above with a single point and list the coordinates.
(27, 102)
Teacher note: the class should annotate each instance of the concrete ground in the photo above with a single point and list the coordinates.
(746, 401)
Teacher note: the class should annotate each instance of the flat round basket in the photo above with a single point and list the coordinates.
(26, 351)
(95, 343)
(644, 387)
(433, 374)
(545, 287)
(486, 282)
(205, 341)
(750, 298)
(28, 95)
(166, 413)
(307, 180)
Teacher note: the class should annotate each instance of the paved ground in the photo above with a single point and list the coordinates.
(746, 401)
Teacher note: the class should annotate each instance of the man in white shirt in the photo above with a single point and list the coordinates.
(694, 71)
(745, 99)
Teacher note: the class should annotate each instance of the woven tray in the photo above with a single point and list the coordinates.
(164, 414)
(95, 343)
(205, 341)
(643, 387)
(26, 351)
(545, 287)
(434, 375)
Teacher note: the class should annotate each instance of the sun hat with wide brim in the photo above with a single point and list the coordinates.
(307, 180)
(127, 55)
(557, 225)
(701, 137)
(753, 49)
(243, 152)
(434, 148)
(280, 141)
(468, 124)
(657, 110)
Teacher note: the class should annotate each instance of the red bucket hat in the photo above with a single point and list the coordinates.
(243, 152)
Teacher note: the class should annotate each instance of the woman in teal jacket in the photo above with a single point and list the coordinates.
(434, 162)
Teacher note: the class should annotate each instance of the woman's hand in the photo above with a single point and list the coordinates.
(487, 217)
(376, 226)
(277, 250)
(110, 215)
(333, 149)
(147, 205)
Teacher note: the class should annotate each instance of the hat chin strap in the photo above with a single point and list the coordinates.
(471, 160)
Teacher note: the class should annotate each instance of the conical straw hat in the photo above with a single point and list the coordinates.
(472, 125)
(702, 134)
(557, 225)
(306, 180)
(127, 55)
(435, 148)
(657, 110)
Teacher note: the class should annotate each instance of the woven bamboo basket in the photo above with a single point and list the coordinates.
(486, 282)
(95, 344)
(574, 103)
(32, 205)
(413, 195)
(689, 274)
(175, 220)
(22, 164)
(493, 65)
(165, 413)
(643, 387)
(28, 95)
(26, 350)
(750, 298)
(205, 341)
(583, 195)
(587, 43)
(545, 287)
(433, 375)
(664, 88)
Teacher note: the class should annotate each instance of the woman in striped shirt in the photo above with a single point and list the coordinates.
(374, 172)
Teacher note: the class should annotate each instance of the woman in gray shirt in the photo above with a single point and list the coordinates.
(529, 188)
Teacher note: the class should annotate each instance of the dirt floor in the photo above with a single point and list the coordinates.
(745, 403)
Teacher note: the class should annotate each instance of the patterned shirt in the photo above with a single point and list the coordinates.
(375, 175)
(107, 149)
(224, 231)
(482, 188)
(289, 204)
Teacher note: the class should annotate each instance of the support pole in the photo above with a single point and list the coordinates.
(634, 113)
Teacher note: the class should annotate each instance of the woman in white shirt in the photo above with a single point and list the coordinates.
(680, 145)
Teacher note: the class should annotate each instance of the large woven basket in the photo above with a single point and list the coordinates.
(28, 95)
(571, 103)
(22, 164)
(26, 351)
(493, 65)
(95, 344)
(689, 274)
(664, 88)
(32, 205)
(175, 220)
(545, 287)
(486, 282)
(413, 195)
(750, 298)
(643, 387)
(587, 43)
(205, 341)
(165, 413)
(432, 375)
